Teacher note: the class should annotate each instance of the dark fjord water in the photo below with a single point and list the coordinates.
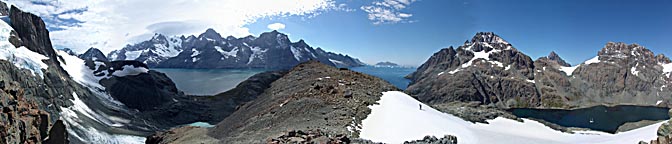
(214, 81)
(394, 75)
(208, 81)
(601, 118)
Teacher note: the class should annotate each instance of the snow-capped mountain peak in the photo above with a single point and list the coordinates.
(210, 34)
(270, 50)
(488, 37)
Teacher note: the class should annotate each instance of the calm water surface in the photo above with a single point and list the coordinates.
(601, 118)
(394, 75)
(208, 81)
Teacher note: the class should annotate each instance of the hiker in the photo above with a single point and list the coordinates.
(420, 105)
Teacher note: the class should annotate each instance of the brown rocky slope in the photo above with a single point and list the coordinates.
(310, 98)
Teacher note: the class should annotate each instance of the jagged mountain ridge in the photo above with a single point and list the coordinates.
(489, 70)
(271, 50)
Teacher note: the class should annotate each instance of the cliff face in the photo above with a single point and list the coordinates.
(488, 70)
(485, 69)
(31, 98)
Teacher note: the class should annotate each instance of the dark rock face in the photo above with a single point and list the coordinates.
(58, 134)
(272, 50)
(556, 58)
(488, 70)
(143, 91)
(93, 54)
(4, 10)
(33, 33)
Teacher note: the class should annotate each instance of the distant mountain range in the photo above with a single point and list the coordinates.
(271, 50)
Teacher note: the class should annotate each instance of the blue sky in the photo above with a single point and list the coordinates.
(402, 31)
(575, 29)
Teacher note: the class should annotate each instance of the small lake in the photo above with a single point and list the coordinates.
(601, 118)
(394, 75)
(208, 81)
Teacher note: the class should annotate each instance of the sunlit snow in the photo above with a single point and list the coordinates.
(398, 118)
(130, 70)
(595, 59)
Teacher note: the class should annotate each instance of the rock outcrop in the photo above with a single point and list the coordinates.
(92, 54)
(490, 71)
(447, 139)
(271, 50)
(144, 91)
(664, 133)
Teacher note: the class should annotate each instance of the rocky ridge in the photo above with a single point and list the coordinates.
(490, 71)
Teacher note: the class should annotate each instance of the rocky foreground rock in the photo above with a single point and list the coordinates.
(312, 98)
(490, 71)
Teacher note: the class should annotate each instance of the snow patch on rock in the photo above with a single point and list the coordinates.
(21, 57)
(195, 52)
(257, 53)
(232, 53)
(127, 70)
(568, 70)
(337, 62)
(596, 59)
(296, 53)
(667, 69)
(478, 55)
(132, 55)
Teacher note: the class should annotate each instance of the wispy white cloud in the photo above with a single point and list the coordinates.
(388, 11)
(276, 26)
(110, 24)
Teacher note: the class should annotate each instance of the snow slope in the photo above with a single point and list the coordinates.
(21, 57)
(398, 118)
(80, 118)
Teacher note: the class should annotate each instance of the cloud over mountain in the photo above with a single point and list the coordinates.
(110, 24)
